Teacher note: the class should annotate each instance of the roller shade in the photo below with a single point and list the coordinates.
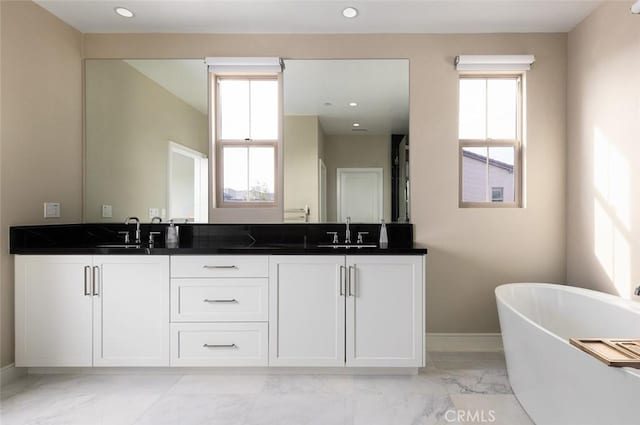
(225, 65)
(494, 62)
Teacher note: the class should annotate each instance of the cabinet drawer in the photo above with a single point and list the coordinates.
(220, 266)
(218, 300)
(219, 344)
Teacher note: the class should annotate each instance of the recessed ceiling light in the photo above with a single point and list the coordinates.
(124, 12)
(349, 12)
(355, 124)
(354, 104)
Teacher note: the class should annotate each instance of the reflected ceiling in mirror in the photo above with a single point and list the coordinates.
(346, 144)
(147, 140)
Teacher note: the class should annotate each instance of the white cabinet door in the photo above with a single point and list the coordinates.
(384, 311)
(306, 311)
(131, 311)
(53, 311)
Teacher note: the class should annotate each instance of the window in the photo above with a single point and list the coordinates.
(490, 130)
(247, 140)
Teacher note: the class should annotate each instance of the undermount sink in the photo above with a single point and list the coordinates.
(347, 246)
(121, 246)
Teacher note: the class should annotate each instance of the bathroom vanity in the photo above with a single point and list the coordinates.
(217, 300)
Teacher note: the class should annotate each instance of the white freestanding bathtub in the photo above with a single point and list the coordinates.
(555, 382)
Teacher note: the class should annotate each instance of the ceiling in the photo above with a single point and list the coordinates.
(326, 87)
(323, 16)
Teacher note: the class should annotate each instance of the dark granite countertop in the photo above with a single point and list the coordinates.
(206, 239)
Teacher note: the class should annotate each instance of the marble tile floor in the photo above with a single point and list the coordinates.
(475, 384)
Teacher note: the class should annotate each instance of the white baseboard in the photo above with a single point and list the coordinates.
(10, 373)
(463, 342)
(225, 370)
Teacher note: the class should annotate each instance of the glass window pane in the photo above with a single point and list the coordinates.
(234, 109)
(501, 173)
(262, 173)
(473, 105)
(264, 109)
(502, 108)
(474, 174)
(236, 174)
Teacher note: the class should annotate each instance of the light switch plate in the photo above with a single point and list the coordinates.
(107, 211)
(154, 212)
(52, 210)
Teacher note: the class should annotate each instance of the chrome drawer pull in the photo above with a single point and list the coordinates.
(219, 346)
(219, 267)
(220, 301)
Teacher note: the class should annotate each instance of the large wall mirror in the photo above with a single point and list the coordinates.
(147, 140)
(345, 135)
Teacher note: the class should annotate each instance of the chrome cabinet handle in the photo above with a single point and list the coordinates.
(219, 346)
(219, 267)
(343, 279)
(96, 280)
(352, 281)
(87, 278)
(233, 300)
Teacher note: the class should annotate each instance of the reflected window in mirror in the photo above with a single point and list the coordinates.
(247, 138)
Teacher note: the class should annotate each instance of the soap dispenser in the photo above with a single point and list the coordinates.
(173, 238)
(384, 241)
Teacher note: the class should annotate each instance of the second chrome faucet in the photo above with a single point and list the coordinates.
(136, 220)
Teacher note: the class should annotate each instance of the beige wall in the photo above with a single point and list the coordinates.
(41, 131)
(130, 120)
(301, 150)
(603, 224)
(471, 251)
(358, 151)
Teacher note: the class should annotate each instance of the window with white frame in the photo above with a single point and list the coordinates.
(490, 140)
(247, 140)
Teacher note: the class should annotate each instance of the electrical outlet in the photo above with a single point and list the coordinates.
(52, 210)
(154, 212)
(107, 211)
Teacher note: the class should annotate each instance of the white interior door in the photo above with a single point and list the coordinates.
(188, 196)
(360, 194)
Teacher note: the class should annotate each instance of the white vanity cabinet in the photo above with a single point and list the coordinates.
(354, 311)
(385, 321)
(131, 310)
(219, 310)
(53, 311)
(306, 310)
(76, 310)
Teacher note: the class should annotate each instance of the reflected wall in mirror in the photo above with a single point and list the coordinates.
(147, 140)
(346, 140)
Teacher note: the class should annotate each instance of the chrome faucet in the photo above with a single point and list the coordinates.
(637, 292)
(136, 220)
(347, 233)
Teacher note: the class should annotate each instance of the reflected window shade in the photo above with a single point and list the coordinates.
(240, 65)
